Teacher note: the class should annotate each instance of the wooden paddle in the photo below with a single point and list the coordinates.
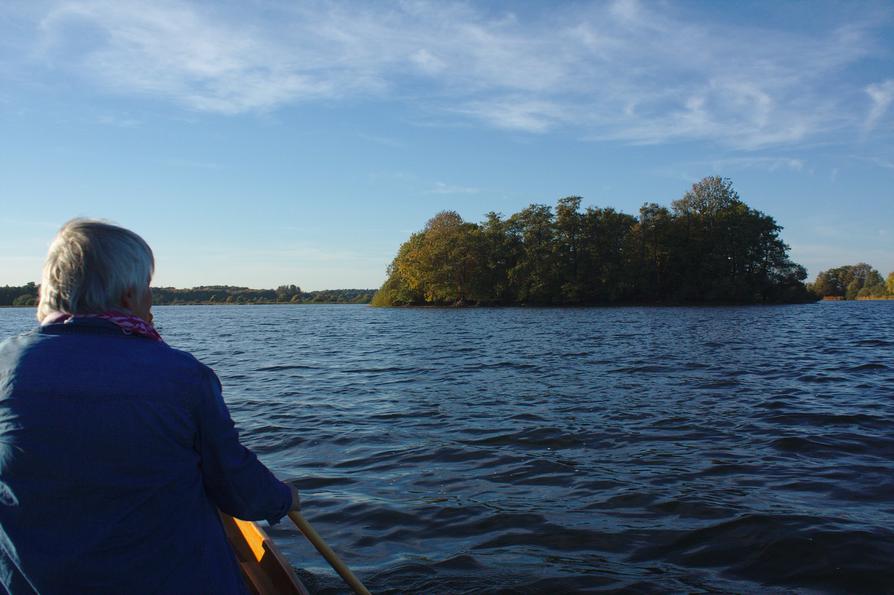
(326, 551)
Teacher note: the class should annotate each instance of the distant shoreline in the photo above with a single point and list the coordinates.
(705, 305)
(232, 304)
(28, 295)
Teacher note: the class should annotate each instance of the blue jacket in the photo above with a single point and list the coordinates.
(115, 453)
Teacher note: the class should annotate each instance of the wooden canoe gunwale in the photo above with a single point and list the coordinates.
(265, 570)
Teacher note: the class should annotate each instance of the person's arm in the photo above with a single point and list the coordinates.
(236, 481)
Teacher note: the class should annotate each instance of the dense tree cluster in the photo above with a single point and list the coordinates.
(853, 282)
(212, 294)
(284, 294)
(27, 295)
(709, 247)
(21, 295)
(339, 296)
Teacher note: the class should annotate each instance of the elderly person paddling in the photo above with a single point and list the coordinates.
(116, 451)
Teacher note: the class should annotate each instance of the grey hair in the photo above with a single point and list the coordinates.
(90, 266)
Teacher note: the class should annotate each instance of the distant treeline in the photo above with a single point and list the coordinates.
(853, 282)
(709, 247)
(26, 295)
(284, 294)
(21, 295)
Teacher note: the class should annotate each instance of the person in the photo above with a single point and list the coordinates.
(116, 450)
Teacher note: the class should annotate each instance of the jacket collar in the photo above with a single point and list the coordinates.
(77, 325)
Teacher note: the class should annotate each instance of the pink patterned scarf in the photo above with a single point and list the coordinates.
(128, 323)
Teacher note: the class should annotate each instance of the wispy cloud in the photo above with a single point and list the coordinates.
(634, 72)
(884, 163)
(517, 113)
(118, 121)
(442, 188)
(725, 166)
(383, 140)
(212, 165)
(765, 163)
(881, 94)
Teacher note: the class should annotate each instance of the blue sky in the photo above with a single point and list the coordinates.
(260, 143)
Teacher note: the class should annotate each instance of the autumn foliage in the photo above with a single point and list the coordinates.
(709, 247)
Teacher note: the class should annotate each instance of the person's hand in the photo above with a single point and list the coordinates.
(296, 499)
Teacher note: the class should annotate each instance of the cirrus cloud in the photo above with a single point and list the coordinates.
(637, 73)
(882, 95)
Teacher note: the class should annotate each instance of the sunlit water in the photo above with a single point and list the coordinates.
(569, 450)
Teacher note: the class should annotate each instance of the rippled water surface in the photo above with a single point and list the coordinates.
(569, 450)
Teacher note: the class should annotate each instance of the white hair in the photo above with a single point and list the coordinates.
(90, 266)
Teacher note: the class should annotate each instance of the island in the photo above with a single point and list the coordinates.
(709, 247)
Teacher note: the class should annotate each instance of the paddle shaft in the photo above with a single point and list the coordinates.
(326, 551)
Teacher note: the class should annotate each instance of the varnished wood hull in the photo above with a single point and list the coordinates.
(265, 569)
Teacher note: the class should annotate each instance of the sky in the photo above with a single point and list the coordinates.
(261, 143)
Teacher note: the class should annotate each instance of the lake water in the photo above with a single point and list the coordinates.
(569, 450)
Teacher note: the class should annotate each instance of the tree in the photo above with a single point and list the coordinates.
(702, 216)
(848, 281)
(568, 244)
(498, 253)
(25, 300)
(10, 294)
(653, 233)
(608, 255)
(890, 283)
(438, 265)
(723, 250)
(285, 293)
(707, 198)
(827, 284)
(534, 276)
(874, 291)
(449, 257)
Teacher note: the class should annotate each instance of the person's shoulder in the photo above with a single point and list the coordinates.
(14, 351)
(17, 343)
(181, 357)
(11, 338)
(187, 362)
(26, 336)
